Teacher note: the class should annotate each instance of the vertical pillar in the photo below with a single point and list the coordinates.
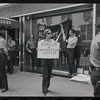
(20, 38)
(23, 36)
(21, 42)
(31, 26)
(30, 34)
(16, 42)
(94, 19)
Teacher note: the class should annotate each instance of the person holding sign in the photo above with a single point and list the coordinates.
(47, 54)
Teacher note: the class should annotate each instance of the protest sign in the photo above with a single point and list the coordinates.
(48, 50)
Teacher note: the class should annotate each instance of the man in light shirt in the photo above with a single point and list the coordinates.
(72, 41)
(95, 62)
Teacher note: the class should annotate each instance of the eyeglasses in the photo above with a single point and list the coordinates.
(48, 33)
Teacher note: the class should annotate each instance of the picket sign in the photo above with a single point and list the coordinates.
(48, 50)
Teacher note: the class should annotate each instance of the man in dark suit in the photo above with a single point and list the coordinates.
(3, 63)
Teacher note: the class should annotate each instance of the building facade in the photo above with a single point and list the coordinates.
(84, 18)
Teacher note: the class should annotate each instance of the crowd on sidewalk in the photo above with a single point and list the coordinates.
(73, 54)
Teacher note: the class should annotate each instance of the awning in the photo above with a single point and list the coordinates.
(8, 23)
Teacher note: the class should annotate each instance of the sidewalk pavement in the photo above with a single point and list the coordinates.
(30, 85)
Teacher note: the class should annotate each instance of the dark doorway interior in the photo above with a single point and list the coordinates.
(15, 36)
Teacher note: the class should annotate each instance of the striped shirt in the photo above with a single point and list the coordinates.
(72, 41)
(3, 46)
(31, 44)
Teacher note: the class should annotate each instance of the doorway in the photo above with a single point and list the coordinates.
(15, 36)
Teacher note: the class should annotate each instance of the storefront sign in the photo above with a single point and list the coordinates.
(5, 22)
(48, 50)
(41, 31)
(9, 23)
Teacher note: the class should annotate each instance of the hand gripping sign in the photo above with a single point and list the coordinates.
(48, 50)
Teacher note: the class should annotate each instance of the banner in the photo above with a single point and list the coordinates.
(55, 29)
(48, 50)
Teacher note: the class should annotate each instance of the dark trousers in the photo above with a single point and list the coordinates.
(3, 76)
(77, 56)
(77, 61)
(71, 60)
(62, 55)
(47, 65)
(10, 63)
(95, 77)
(33, 55)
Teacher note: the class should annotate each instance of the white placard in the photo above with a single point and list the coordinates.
(48, 50)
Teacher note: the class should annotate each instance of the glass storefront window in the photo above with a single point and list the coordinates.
(81, 21)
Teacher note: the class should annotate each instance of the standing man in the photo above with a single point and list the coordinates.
(95, 63)
(72, 40)
(31, 48)
(11, 53)
(3, 63)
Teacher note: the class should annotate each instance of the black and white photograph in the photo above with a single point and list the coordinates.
(50, 50)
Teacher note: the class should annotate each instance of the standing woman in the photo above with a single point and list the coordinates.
(31, 48)
(3, 63)
(72, 41)
(47, 64)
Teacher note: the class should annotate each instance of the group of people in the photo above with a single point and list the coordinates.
(73, 45)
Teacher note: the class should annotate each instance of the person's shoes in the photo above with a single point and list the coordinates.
(7, 71)
(10, 72)
(69, 75)
(44, 95)
(47, 90)
(32, 71)
(74, 74)
(4, 90)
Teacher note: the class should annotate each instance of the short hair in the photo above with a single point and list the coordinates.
(73, 31)
(98, 26)
(46, 31)
(77, 32)
(9, 37)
